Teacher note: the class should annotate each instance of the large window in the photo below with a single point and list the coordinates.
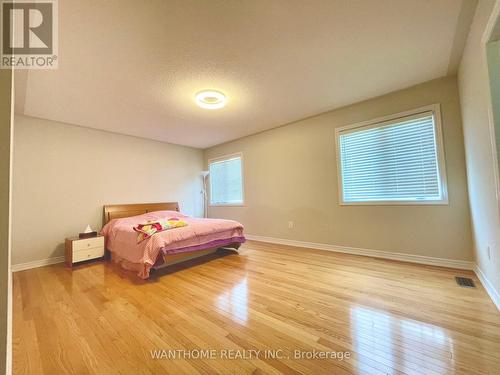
(395, 160)
(226, 180)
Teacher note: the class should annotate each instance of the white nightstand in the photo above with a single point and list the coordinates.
(80, 249)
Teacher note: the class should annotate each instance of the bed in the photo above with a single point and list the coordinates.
(197, 238)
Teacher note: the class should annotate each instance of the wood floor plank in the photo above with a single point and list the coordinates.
(273, 307)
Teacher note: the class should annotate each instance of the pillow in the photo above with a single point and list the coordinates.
(166, 213)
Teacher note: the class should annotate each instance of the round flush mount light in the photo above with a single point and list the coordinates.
(210, 99)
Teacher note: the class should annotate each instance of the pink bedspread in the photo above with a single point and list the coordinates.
(121, 239)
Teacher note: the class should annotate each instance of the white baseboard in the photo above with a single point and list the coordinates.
(490, 289)
(450, 263)
(36, 263)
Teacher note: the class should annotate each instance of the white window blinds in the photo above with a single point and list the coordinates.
(226, 181)
(391, 161)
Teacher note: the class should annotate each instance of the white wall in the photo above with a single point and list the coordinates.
(290, 174)
(480, 161)
(64, 174)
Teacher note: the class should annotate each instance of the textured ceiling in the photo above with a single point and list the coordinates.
(133, 67)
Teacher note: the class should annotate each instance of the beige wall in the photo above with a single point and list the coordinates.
(290, 175)
(474, 96)
(5, 134)
(64, 174)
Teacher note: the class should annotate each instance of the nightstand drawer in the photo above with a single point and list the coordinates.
(86, 254)
(88, 243)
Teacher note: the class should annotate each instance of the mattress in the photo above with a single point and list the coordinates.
(198, 234)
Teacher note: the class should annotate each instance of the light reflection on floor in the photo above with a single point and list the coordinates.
(235, 301)
(389, 339)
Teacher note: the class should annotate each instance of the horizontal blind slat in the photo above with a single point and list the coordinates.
(382, 162)
(366, 136)
(403, 144)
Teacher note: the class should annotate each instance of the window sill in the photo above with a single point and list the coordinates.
(227, 205)
(397, 203)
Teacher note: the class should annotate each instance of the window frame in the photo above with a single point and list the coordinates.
(223, 158)
(435, 109)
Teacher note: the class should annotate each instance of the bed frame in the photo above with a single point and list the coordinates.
(118, 211)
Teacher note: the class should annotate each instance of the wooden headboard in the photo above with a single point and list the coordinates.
(116, 211)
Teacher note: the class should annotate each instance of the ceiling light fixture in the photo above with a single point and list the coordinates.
(211, 99)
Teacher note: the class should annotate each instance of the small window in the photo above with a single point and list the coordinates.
(395, 160)
(226, 180)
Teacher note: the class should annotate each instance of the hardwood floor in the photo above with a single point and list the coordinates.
(391, 317)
